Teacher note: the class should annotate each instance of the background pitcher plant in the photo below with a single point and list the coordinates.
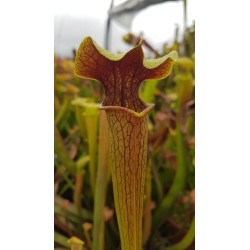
(121, 76)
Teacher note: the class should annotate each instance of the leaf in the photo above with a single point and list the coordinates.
(184, 64)
(178, 183)
(100, 212)
(185, 84)
(62, 152)
(75, 243)
(91, 119)
(186, 241)
(60, 239)
(81, 163)
(147, 93)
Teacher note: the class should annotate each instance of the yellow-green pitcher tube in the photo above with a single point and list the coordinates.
(128, 139)
(103, 174)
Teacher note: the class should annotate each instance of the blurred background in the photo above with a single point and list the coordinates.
(156, 20)
(168, 221)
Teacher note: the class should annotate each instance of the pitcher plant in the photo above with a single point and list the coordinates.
(121, 76)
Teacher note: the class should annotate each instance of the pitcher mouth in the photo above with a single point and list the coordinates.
(149, 107)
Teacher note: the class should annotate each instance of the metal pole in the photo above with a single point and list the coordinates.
(107, 34)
